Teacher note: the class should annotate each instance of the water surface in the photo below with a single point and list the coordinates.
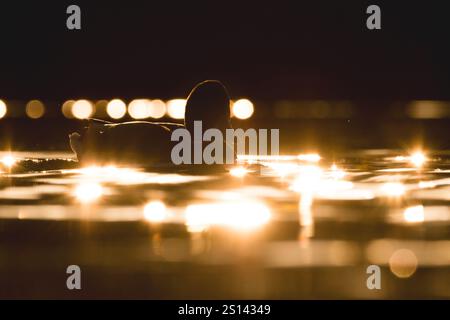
(292, 226)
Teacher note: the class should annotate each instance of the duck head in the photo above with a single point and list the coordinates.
(208, 102)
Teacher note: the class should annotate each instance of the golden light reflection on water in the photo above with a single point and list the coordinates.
(238, 172)
(309, 179)
(8, 161)
(244, 215)
(392, 189)
(112, 173)
(323, 184)
(297, 215)
(336, 172)
(428, 253)
(281, 169)
(403, 263)
(155, 211)
(134, 176)
(306, 220)
(418, 158)
(310, 182)
(426, 184)
(319, 253)
(88, 192)
(307, 157)
(307, 183)
(414, 214)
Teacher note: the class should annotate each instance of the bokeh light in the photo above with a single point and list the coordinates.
(282, 169)
(414, 214)
(3, 109)
(242, 215)
(242, 109)
(393, 189)
(309, 179)
(88, 192)
(336, 172)
(82, 109)
(176, 108)
(66, 108)
(8, 161)
(100, 108)
(116, 109)
(139, 109)
(238, 172)
(157, 109)
(428, 109)
(403, 263)
(35, 109)
(155, 211)
(418, 158)
(309, 157)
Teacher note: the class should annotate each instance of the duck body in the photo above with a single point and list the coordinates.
(127, 143)
(149, 143)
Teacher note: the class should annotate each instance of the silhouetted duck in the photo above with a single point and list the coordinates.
(149, 143)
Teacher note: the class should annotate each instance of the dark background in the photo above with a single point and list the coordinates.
(265, 50)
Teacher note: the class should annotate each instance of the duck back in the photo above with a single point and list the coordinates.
(142, 143)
